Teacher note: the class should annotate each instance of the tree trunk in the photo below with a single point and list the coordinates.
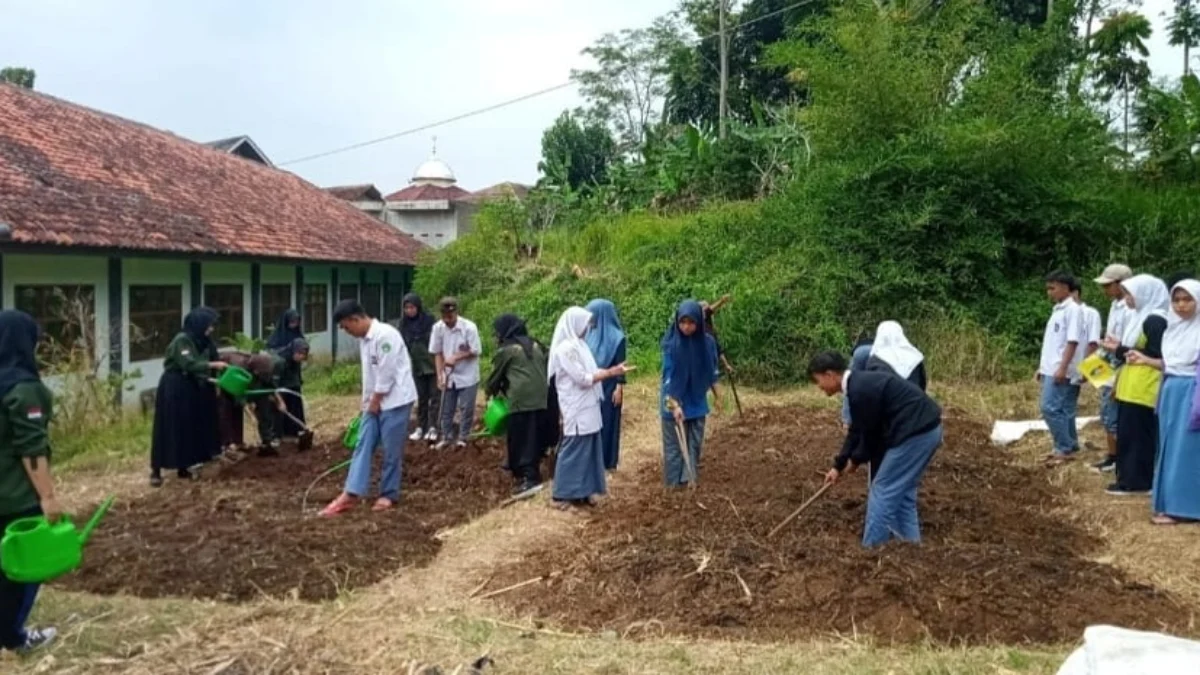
(1187, 59)
(723, 102)
(1126, 128)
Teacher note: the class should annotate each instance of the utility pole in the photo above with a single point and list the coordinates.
(723, 103)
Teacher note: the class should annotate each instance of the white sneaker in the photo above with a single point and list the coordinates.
(461, 445)
(416, 435)
(37, 637)
(431, 436)
(442, 445)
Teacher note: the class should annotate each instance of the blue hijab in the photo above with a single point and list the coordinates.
(605, 336)
(694, 358)
(18, 344)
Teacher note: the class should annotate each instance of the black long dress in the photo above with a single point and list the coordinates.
(1137, 425)
(185, 407)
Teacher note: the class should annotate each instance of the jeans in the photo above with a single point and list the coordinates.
(428, 396)
(1108, 410)
(892, 497)
(1059, 404)
(16, 600)
(463, 401)
(674, 470)
(389, 428)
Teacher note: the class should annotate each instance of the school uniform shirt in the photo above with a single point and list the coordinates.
(385, 367)
(185, 357)
(885, 411)
(1090, 330)
(520, 378)
(1065, 325)
(1118, 314)
(25, 413)
(578, 395)
(449, 341)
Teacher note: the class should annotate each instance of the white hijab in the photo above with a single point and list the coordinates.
(567, 345)
(1151, 297)
(895, 350)
(1181, 342)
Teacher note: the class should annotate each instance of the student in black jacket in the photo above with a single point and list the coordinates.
(895, 428)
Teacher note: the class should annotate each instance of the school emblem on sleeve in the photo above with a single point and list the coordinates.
(385, 347)
(34, 414)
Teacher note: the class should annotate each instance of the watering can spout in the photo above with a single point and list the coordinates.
(95, 520)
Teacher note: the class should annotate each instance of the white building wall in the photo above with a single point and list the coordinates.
(143, 375)
(433, 228)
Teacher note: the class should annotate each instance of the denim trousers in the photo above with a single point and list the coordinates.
(461, 400)
(892, 498)
(390, 429)
(1059, 405)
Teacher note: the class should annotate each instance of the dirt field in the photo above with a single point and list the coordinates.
(239, 533)
(997, 565)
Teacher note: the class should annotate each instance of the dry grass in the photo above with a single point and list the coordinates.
(426, 615)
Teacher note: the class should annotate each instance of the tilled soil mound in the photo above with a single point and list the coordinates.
(995, 565)
(239, 534)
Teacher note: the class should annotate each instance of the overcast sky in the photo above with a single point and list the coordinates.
(304, 76)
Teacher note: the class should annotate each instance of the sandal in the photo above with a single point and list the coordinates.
(383, 504)
(1056, 459)
(1163, 519)
(337, 507)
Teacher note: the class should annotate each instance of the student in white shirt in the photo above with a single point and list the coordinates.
(456, 348)
(1110, 281)
(387, 401)
(1058, 373)
(1089, 330)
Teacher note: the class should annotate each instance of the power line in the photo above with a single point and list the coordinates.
(511, 101)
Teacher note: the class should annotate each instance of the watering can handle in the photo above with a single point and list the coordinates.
(95, 519)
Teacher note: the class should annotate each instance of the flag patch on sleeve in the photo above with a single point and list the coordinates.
(34, 414)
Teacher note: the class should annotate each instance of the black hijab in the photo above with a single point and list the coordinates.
(510, 330)
(284, 334)
(18, 346)
(417, 329)
(196, 325)
(298, 346)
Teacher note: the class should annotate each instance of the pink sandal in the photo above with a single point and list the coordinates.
(337, 507)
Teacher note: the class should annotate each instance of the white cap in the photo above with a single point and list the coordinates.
(1114, 274)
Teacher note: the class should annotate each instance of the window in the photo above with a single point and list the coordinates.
(155, 316)
(316, 308)
(395, 302)
(372, 296)
(230, 303)
(65, 314)
(276, 299)
(347, 292)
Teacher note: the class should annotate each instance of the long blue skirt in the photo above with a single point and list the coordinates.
(579, 469)
(1177, 470)
(610, 434)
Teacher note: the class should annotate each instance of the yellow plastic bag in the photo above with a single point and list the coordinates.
(1097, 370)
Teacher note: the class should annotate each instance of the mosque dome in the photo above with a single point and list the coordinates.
(434, 171)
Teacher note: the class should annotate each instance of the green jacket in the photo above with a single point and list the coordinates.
(25, 414)
(183, 356)
(421, 358)
(521, 379)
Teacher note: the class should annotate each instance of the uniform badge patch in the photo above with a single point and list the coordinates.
(34, 414)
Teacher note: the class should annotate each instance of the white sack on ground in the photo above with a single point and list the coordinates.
(1108, 650)
(1004, 433)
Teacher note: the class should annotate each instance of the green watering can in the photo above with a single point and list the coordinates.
(350, 438)
(495, 417)
(33, 551)
(235, 381)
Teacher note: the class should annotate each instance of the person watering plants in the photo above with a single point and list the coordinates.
(267, 370)
(606, 340)
(26, 487)
(455, 345)
(689, 369)
(387, 400)
(416, 327)
(519, 374)
(185, 404)
(579, 472)
(892, 352)
(291, 378)
(894, 428)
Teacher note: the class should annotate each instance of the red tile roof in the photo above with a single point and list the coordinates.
(75, 177)
(421, 193)
(356, 193)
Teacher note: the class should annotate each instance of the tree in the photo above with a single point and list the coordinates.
(1183, 30)
(1120, 48)
(629, 84)
(576, 152)
(22, 77)
(1169, 124)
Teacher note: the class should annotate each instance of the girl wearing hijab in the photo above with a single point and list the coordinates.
(1177, 468)
(606, 339)
(292, 378)
(1138, 381)
(689, 369)
(416, 327)
(892, 352)
(287, 329)
(579, 471)
(26, 488)
(519, 374)
(185, 406)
